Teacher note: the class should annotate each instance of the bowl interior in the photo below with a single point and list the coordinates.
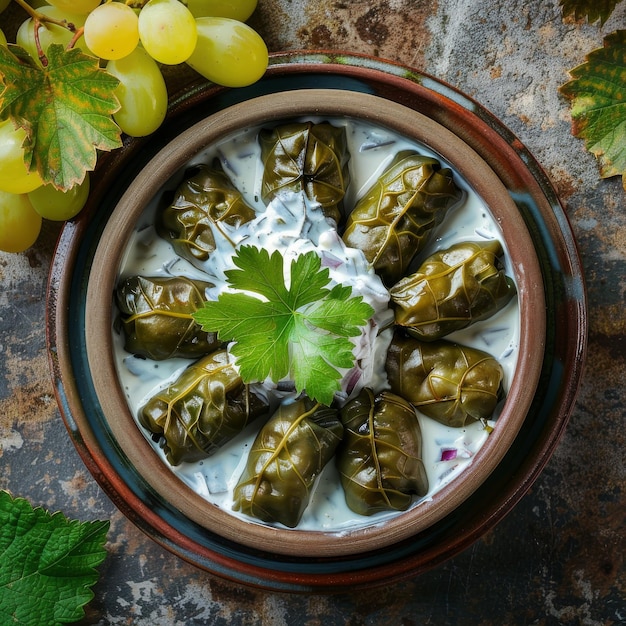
(158, 174)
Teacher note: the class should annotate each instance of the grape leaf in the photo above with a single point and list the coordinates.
(47, 564)
(65, 109)
(591, 9)
(598, 104)
(301, 330)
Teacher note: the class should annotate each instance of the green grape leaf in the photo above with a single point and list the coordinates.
(591, 9)
(65, 109)
(47, 564)
(598, 104)
(299, 329)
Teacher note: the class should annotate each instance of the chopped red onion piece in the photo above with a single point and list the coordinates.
(448, 454)
(330, 260)
(353, 378)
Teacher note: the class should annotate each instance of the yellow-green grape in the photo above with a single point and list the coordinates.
(20, 224)
(111, 31)
(167, 31)
(55, 204)
(14, 176)
(234, 9)
(228, 52)
(49, 33)
(75, 6)
(142, 93)
(3, 39)
(4, 4)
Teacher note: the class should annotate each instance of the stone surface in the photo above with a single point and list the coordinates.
(558, 557)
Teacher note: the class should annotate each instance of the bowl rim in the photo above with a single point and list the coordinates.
(267, 109)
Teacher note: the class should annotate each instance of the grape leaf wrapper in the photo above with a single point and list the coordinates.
(380, 458)
(288, 454)
(65, 109)
(47, 564)
(393, 220)
(591, 9)
(598, 105)
(451, 383)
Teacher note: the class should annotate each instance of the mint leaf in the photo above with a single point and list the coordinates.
(287, 326)
(598, 104)
(65, 108)
(47, 564)
(591, 9)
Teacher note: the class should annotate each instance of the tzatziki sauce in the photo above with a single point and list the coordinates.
(293, 226)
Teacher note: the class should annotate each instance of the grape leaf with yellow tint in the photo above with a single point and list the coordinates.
(598, 104)
(591, 9)
(65, 109)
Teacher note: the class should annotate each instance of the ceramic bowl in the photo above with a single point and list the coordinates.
(124, 460)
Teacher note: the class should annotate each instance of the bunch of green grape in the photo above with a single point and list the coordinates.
(133, 39)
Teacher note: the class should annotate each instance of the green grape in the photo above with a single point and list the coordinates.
(3, 39)
(111, 31)
(234, 9)
(75, 6)
(228, 52)
(4, 4)
(48, 33)
(167, 31)
(20, 224)
(142, 93)
(57, 205)
(14, 177)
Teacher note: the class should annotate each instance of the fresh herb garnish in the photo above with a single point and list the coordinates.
(47, 564)
(300, 331)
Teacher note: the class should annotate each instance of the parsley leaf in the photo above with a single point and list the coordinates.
(598, 108)
(301, 330)
(65, 108)
(47, 564)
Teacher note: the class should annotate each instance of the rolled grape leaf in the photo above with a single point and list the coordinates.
(207, 207)
(306, 157)
(452, 289)
(156, 317)
(380, 459)
(286, 457)
(392, 222)
(450, 383)
(204, 408)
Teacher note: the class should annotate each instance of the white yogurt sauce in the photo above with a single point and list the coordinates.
(293, 229)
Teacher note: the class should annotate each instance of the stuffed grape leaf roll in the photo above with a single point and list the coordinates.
(452, 289)
(287, 456)
(450, 383)
(207, 207)
(380, 459)
(393, 220)
(206, 406)
(156, 317)
(306, 157)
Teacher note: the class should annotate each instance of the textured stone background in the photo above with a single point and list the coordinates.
(558, 558)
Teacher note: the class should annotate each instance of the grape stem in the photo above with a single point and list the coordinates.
(40, 53)
(77, 35)
(43, 19)
(39, 20)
